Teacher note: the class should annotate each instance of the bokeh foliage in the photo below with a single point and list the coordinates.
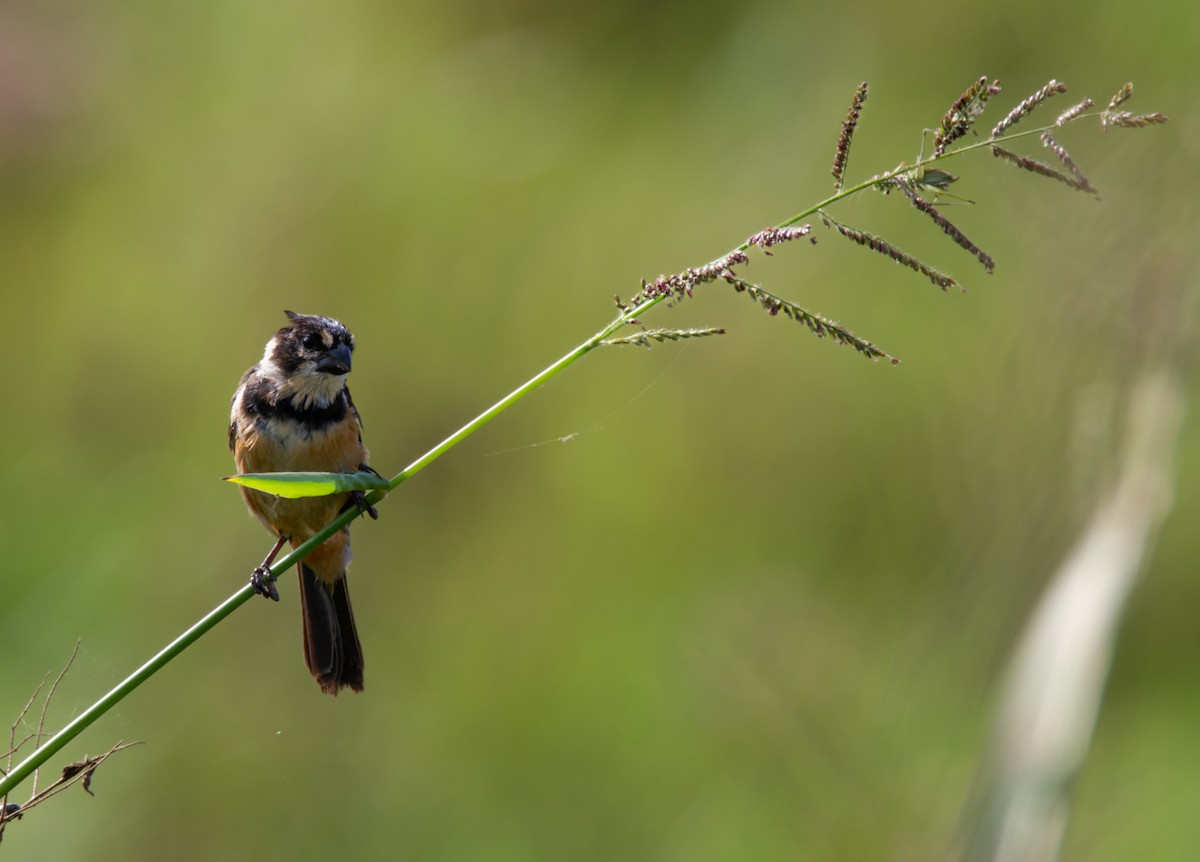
(755, 606)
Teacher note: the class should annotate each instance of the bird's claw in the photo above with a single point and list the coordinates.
(263, 581)
(359, 499)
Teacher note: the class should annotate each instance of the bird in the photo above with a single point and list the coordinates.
(292, 411)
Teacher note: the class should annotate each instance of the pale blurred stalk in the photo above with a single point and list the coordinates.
(1056, 679)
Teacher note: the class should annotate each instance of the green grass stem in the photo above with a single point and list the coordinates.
(626, 317)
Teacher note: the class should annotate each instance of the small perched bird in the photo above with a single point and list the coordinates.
(292, 412)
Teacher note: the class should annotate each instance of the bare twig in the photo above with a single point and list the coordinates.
(80, 771)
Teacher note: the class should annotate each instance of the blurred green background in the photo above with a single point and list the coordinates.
(758, 605)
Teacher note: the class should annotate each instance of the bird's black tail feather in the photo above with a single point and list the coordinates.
(331, 648)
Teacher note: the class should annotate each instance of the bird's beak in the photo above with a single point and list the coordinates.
(336, 361)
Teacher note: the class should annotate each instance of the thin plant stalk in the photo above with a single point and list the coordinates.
(629, 315)
(55, 743)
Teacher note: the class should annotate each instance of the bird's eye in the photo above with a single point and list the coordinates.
(312, 341)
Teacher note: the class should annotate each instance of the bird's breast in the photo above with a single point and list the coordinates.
(274, 445)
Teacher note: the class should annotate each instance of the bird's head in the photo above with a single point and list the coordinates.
(310, 357)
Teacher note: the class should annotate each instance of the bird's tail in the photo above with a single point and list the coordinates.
(331, 648)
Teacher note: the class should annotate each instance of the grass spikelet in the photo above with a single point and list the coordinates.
(1121, 96)
(1126, 120)
(822, 326)
(764, 239)
(682, 283)
(962, 114)
(1072, 112)
(848, 127)
(948, 227)
(1081, 182)
(644, 339)
(1027, 106)
(1040, 168)
(882, 246)
(1110, 116)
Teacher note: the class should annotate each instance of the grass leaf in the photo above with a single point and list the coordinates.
(293, 485)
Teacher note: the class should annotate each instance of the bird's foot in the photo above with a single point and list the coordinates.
(262, 578)
(263, 581)
(359, 499)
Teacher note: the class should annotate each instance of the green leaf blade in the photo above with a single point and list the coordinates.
(296, 485)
